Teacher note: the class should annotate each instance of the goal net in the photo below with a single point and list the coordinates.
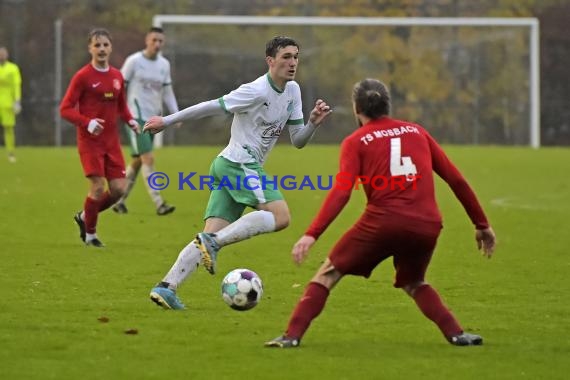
(466, 80)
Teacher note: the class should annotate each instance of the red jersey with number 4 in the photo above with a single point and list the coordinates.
(96, 94)
(394, 161)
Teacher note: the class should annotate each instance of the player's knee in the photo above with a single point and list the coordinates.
(97, 188)
(411, 288)
(96, 192)
(147, 159)
(280, 212)
(118, 192)
(282, 219)
(136, 163)
(327, 275)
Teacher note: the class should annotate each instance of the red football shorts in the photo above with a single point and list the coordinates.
(108, 163)
(373, 239)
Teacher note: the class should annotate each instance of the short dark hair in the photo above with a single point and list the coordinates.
(155, 29)
(276, 43)
(98, 32)
(371, 98)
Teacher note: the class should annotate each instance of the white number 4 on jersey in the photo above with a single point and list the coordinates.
(401, 165)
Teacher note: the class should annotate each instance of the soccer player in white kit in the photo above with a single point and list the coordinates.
(261, 109)
(149, 86)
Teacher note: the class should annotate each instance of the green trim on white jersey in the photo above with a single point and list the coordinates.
(138, 110)
(223, 105)
(273, 85)
(146, 79)
(261, 111)
(296, 122)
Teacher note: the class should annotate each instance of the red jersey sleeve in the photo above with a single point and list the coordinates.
(123, 108)
(68, 107)
(443, 166)
(340, 193)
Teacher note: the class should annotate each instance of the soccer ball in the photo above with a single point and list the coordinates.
(242, 289)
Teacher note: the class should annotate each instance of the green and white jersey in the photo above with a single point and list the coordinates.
(146, 79)
(261, 111)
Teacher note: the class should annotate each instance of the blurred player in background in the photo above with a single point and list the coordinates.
(149, 85)
(10, 106)
(401, 221)
(261, 109)
(94, 100)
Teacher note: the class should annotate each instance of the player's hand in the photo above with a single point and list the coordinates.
(135, 126)
(301, 248)
(320, 112)
(154, 125)
(95, 126)
(486, 241)
(17, 107)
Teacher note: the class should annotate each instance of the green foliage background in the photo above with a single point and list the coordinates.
(449, 92)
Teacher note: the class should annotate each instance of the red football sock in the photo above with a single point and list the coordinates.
(431, 305)
(106, 201)
(307, 309)
(91, 210)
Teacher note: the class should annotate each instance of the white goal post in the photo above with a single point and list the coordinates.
(531, 23)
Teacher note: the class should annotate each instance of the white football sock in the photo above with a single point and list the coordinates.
(147, 170)
(89, 237)
(131, 178)
(254, 223)
(186, 263)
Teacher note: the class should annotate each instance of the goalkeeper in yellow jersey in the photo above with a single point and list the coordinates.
(10, 94)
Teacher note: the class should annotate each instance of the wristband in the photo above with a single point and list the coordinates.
(92, 125)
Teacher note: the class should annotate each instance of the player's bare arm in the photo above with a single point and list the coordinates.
(486, 241)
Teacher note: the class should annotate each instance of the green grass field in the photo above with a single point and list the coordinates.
(54, 289)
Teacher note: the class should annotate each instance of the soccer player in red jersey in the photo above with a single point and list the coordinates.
(402, 222)
(93, 101)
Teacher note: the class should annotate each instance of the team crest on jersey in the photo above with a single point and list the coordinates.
(274, 131)
(116, 84)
